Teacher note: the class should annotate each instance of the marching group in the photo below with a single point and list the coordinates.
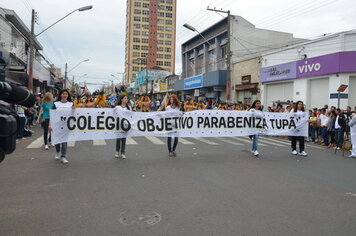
(326, 126)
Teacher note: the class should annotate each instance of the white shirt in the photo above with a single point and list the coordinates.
(325, 121)
(61, 105)
(337, 126)
(169, 108)
(256, 113)
(322, 118)
(120, 108)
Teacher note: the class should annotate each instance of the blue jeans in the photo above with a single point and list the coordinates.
(324, 133)
(21, 127)
(254, 142)
(63, 150)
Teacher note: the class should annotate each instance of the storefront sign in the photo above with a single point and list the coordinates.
(278, 72)
(193, 82)
(246, 79)
(218, 89)
(107, 123)
(339, 62)
(196, 92)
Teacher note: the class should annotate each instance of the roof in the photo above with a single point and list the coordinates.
(20, 26)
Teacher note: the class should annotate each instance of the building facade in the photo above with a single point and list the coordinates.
(150, 36)
(211, 61)
(312, 72)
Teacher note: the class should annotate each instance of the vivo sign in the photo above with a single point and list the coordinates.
(323, 65)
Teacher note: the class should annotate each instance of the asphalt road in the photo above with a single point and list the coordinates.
(212, 187)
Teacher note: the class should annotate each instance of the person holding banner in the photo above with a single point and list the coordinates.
(64, 101)
(256, 110)
(299, 108)
(122, 105)
(173, 105)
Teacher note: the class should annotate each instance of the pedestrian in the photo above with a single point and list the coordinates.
(64, 101)
(122, 105)
(173, 105)
(313, 124)
(299, 108)
(256, 110)
(352, 125)
(340, 123)
(324, 121)
(331, 128)
(20, 111)
(46, 105)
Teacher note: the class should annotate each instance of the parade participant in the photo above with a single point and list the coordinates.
(188, 104)
(299, 108)
(122, 105)
(144, 103)
(64, 101)
(20, 111)
(173, 105)
(100, 100)
(78, 102)
(200, 104)
(256, 110)
(352, 125)
(45, 112)
(222, 106)
(340, 124)
(89, 102)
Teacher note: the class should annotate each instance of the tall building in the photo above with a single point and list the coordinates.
(150, 36)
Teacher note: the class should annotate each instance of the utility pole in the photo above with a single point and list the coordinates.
(65, 76)
(31, 49)
(228, 53)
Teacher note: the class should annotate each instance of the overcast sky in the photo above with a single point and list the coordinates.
(99, 34)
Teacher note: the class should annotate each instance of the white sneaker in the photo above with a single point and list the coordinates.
(46, 147)
(304, 154)
(117, 155)
(64, 160)
(255, 153)
(123, 156)
(57, 156)
(294, 152)
(338, 148)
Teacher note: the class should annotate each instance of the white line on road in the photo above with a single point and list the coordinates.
(37, 143)
(352, 194)
(99, 142)
(155, 140)
(242, 139)
(130, 141)
(230, 141)
(184, 141)
(272, 142)
(71, 144)
(206, 141)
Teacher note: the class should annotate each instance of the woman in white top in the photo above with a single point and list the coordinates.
(299, 108)
(173, 105)
(122, 105)
(256, 110)
(64, 101)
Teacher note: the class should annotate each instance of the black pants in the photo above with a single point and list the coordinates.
(339, 137)
(169, 144)
(45, 132)
(301, 143)
(121, 144)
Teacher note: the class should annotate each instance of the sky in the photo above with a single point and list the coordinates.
(99, 34)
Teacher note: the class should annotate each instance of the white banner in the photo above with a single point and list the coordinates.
(107, 123)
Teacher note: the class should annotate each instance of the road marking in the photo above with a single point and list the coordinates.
(184, 141)
(71, 144)
(154, 140)
(37, 143)
(287, 142)
(206, 141)
(242, 139)
(99, 142)
(352, 194)
(229, 141)
(272, 142)
(130, 141)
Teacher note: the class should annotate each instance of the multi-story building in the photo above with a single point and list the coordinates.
(150, 36)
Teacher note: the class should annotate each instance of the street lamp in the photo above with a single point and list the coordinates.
(66, 71)
(195, 30)
(33, 37)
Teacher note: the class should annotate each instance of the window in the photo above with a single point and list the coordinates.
(223, 52)
(160, 42)
(137, 11)
(135, 68)
(169, 29)
(137, 18)
(160, 28)
(169, 22)
(136, 47)
(144, 54)
(168, 36)
(145, 12)
(168, 50)
(167, 63)
(145, 19)
(145, 26)
(144, 40)
(168, 43)
(169, 8)
(144, 47)
(167, 56)
(160, 56)
(159, 63)
(136, 40)
(169, 1)
(161, 14)
(160, 35)
(160, 21)
(160, 49)
(144, 33)
(136, 54)
(136, 32)
(146, 5)
(137, 4)
(161, 7)
(137, 26)
(161, 1)
(169, 15)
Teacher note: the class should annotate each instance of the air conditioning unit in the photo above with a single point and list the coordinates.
(2, 44)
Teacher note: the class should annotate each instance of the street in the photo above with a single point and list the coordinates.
(214, 186)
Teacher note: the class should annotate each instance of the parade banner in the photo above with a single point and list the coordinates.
(110, 123)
